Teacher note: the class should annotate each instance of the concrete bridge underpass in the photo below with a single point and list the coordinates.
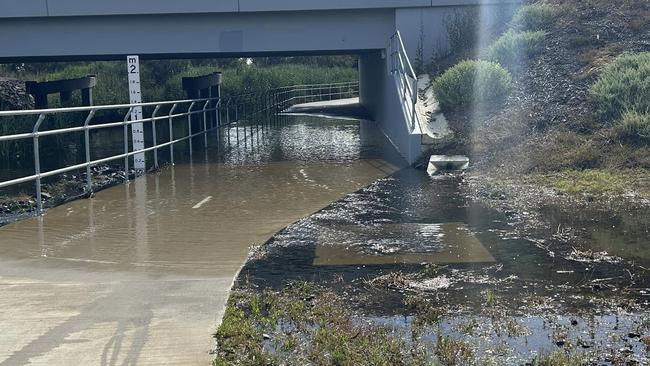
(81, 29)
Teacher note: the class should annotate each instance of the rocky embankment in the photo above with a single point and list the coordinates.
(13, 95)
(66, 188)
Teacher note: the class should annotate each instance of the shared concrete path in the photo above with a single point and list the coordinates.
(139, 275)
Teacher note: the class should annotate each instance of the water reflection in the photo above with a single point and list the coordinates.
(400, 243)
(156, 222)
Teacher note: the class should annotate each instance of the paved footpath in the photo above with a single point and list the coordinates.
(140, 274)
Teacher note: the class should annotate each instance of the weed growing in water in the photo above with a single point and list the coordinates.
(453, 352)
(303, 324)
(560, 358)
(490, 298)
(430, 270)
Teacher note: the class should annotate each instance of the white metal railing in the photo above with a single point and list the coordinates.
(224, 112)
(406, 79)
(296, 94)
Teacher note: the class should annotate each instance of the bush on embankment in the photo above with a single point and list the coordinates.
(534, 17)
(514, 48)
(623, 86)
(633, 127)
(470, 83)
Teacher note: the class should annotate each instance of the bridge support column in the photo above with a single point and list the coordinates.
(379, 95)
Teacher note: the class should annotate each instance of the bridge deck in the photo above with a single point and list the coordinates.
(36, 8)
(140, 274)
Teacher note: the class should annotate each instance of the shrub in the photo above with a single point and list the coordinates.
(534, 17)
(633, 127)
(514, 47)
(462, 29)
(472, 82)
(623, 86)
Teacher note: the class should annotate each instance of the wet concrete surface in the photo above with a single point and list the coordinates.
(140, 273)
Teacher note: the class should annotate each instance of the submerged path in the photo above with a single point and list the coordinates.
(338, 108)
(140, 274)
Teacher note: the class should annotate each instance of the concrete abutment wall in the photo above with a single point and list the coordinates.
(379, 95)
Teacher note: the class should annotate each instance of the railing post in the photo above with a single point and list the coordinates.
(205, 124)
(217, 115)
(189, 126)
(126, 144)
(258, 100)
(37, 165)
(89, 178)
(171, 133)
(155, 136)
(237, 126)
(228, 118)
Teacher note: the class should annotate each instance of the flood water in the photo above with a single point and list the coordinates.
(402, 223)
(140, 273)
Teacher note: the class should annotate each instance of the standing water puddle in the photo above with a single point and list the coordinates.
(411, 235)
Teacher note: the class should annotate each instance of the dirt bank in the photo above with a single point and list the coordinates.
(543, 154)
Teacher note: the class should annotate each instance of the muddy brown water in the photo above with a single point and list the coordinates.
(140, 273)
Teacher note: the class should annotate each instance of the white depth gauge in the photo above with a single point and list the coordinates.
(137, 129)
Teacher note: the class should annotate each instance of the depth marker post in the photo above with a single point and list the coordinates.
(137, 129)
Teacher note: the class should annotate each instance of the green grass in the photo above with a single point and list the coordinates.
(534, 17)
(471, 83)
(623, 86)
(513, 49)
(304, 325)
(563, 149)
(560, 358)
(593, 181)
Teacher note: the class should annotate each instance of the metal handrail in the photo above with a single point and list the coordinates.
(312, 85)
(97, 107)
(405, 78)
(270, 102)
(303, 93)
